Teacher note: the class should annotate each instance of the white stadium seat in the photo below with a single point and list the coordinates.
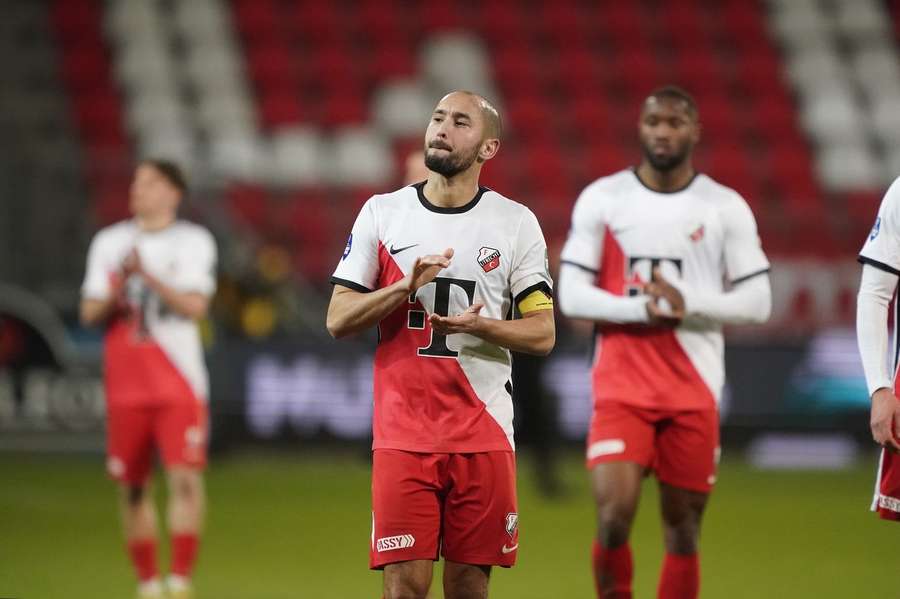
(402, 108)
(846, 167)
(297, 156)
(359, 156)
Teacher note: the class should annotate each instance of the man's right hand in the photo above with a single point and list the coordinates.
(426, 268)
(885, 418)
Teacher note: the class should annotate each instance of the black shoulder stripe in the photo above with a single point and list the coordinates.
(581, 266)
(350, 285)
(740, 280)
(879, 265)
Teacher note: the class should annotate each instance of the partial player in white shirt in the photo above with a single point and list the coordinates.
(880, 257)
(660, 257)
(147, 281)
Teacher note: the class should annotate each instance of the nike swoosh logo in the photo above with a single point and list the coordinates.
(506, 549)
(394, 250)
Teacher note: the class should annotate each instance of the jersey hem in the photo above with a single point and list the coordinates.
(649, 404)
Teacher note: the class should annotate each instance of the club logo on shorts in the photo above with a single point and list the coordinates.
(395, 542)
(488, 258)
(512, 523)
(115, 466)
(193, 435)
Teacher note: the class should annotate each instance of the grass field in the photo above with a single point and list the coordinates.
(297, 526)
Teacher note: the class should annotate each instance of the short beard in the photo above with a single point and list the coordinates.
(450, 165)
(668, 163)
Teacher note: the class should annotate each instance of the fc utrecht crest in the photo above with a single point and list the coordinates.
(512, 523)
(488, 258)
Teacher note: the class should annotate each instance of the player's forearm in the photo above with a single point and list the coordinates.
(579, 298)
(533, 334)
(188, 304)
(748, 303)
(875, 292)
(94, 312)
(352, 311)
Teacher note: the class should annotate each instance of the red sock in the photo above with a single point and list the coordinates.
(614, 568)
(143, 556)
(680, 578)
(184, 553)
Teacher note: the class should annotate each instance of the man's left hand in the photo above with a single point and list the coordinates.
(466, 322)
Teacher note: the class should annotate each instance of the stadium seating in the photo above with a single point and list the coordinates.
(308, 99)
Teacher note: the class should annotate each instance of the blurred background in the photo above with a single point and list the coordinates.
(288, 114)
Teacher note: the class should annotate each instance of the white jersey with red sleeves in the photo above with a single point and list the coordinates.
(152, 354)
(704, 235)
(436, 393)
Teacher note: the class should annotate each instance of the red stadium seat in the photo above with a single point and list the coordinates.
(438, 15)
(279, 107)
(248, 205)
(498, 24)
(390, 60)
(75, 20)
(271, 64)
(318, 21)
(622, 22)
(699, 71)
(639, 71)
(344, 107)
(85, 64)
(256, 19)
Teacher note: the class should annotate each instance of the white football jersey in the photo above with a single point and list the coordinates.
(704, 235)
(183, 256)
(436, 393)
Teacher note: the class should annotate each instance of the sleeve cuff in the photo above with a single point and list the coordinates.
(879, 265)
(639, 305)
(350, 285)
(880, 384)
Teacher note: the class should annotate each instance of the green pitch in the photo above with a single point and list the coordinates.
(297, 526)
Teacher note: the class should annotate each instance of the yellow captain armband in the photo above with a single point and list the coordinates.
(536, 300)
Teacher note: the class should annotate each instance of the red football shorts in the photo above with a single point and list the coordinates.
(682, 447)
(459, 505)
(177, 428)
(887, 486)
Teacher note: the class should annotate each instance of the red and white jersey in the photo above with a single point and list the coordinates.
(150, 352)
(437, 393)
(703, 235)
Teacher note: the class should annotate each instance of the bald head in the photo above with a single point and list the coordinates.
(493, 125)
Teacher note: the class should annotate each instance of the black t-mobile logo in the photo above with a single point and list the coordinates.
(416, 318)
(640, 271)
